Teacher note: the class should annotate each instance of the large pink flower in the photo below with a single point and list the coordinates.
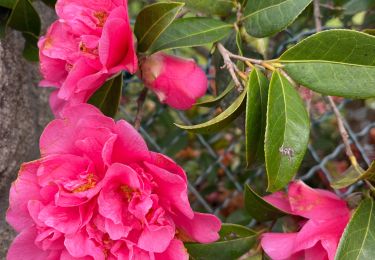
(176, 81)
(325, 218)
(98, 193)
(91, 42)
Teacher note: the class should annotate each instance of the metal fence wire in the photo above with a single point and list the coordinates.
(215, 163)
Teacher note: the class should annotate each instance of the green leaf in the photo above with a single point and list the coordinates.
(25, 18)
(214, 101)
(357, 6)
(370, 173)
(152, 21)
(266, 17)
(287, 132)
(7, 3)
(30, 51)
(234, 242)
(210, 7)
(256, 114)
(222, 120)
(193, 31)
(260, 209)
(243, 2)
(107, 98)
(335, 63)
(358, 239)
(347, 178)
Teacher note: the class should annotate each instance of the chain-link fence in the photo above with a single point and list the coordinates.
(215, 163)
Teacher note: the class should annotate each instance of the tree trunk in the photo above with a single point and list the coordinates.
(24, 111)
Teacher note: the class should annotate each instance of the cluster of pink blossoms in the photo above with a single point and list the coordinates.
(93, 41)
(98, 193)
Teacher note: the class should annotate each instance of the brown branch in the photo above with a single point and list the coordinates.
(140, 102)
(229, 65)
(317, 16)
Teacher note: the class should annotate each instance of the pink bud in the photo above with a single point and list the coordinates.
(177, 82)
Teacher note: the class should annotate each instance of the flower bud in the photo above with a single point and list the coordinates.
(177, 82)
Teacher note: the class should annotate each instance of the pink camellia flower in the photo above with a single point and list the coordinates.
(91, 42)
(98, 193)
(325, 218)
(176, 81)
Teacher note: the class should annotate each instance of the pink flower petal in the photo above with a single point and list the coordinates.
(175, 250)
(202, 228)
(23, 247)
(156, 238)
(314, 204)
(25, 188)
(279, 246)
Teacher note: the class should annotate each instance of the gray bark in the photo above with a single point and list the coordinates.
(24, 111)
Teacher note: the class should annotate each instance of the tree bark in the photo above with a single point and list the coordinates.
(24, 111)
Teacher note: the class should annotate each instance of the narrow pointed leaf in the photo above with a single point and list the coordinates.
(7, 3)
(347, 178)
(370, 173)
(287, 132)
(214, 101)
(334, 62)
(358, 239)
(256, 114)
(260, 209)
(25, 18)
(210, 7)
(193, 31)
(107, 98)
(152, 21)
(235, 241)
(266, 17)
(218, 123)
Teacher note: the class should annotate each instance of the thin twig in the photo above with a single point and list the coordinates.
(230, 66)
(317, 16)
(140, 102)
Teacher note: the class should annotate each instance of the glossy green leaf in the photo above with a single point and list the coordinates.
(234, 242)
(193, 31)
(260, 209)
(334, 62)
(30, 51)
(25, 18)
(7, 3)
(287, 132)
(152, 21)
(222, 120)
(266, 17)
(107, 98)
(210, 7)
(358, 239)
(256, 115)
(214, 101)
(357, 6)
(347, 178)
